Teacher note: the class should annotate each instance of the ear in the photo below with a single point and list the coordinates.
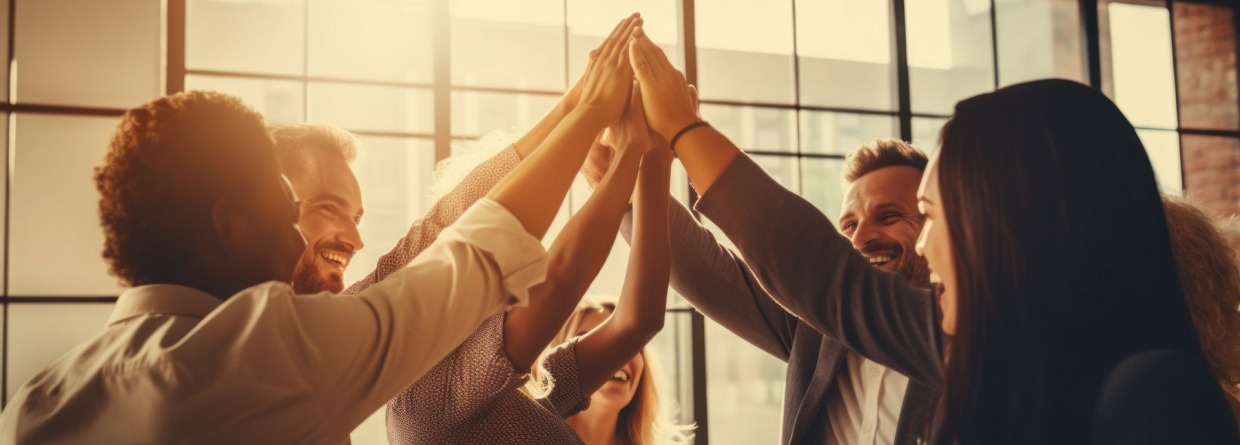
(225, 225)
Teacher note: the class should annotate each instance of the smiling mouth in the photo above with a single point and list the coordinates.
(620, 376)
(335, 259)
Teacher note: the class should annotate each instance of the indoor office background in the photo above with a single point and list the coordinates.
(796, 83)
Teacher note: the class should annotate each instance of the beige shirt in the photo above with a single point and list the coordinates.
(867, 410)
(176, 365)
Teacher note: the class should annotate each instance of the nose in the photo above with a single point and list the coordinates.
(920, 247)
(864, 234)
(352, 236)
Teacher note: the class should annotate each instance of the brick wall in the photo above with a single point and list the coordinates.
(1206, 70)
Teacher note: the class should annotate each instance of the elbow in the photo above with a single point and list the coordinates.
(642, 328)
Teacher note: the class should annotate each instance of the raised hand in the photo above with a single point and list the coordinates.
(669, 102)
(606, 84)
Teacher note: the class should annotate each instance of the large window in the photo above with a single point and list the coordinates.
(796, 83)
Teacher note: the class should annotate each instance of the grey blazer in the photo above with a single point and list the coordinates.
(834, 300)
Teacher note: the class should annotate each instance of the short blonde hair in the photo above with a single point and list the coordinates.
(297, 143)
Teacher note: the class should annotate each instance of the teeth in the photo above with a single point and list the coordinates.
(621, 376)
(880, 259)
(337, 258)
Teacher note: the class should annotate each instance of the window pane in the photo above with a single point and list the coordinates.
(822, 185)
(476, 113)
(4, 48)
(738, 59)
(1039, 39)
(670, 355)
(371, 39)
(374, 108)
(1140, 63)
(589, 21)
(499, 43)
(1211, 172)
(395, 177)
(949, 52)
(280, 101)
(54, 219)
(41, 332)
(840, 133)
(755, 128)
(783, 169)
(88, 53)
(252, 37)
(845, 53)
(745, 387)
(1163, 148)
(1206, 56)
(926, 133)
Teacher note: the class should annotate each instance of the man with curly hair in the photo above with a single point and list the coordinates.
(210, 344)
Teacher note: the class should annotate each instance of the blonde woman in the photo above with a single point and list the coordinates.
(627, 409)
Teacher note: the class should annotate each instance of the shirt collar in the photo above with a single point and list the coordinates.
(163, 299)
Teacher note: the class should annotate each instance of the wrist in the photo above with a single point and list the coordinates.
(675, 125)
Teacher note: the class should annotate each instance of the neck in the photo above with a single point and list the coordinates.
(597, 427)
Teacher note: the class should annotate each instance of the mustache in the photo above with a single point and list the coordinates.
(882, 246)
(334, 245)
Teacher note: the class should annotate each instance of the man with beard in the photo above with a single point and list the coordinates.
(316, 158)
(832, 395)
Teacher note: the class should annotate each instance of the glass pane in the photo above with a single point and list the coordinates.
(926, 133)
(755, 128)
(4, 173)
(589, 21)
(252, 37)
(1039, 39)
(841, 133)
(476, 113)
(1140, 64)
(822, 186)
(372, 431)
(498, 43)
(280, 101)
(1211, 173)
(89, 53)
(374, 108)
(949, 52)
(740, 61)
(783, 169)
(845, 43)
(41, 332)
(395, 177)
(1163, 148)
(371, 39)
(54, 220)
(745, 387)
(671, 354)
(1205, 53)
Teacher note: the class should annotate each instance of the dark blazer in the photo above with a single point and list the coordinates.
(811, 270)
(720, 285)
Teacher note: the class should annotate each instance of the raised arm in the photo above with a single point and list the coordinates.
(796, 253)
(534, 191)
(579, 251)
(640, 310)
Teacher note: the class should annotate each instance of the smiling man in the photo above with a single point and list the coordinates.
(833, 395)
(316, 158)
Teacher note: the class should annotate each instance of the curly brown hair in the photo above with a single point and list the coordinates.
(1211, 282)
(167, 163)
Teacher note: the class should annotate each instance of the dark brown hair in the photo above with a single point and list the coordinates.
(1063, 262)
(167, 162)
(879, 154)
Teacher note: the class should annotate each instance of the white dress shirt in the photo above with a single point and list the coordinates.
(176, 365)
(868, 407)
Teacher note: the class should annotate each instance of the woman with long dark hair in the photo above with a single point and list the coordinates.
(1059, 289)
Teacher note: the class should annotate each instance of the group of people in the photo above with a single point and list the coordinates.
(1026, 285)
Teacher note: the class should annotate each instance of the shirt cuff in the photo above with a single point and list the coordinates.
(521, 258)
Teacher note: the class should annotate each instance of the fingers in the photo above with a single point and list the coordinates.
(618, 36)
(639, 62)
